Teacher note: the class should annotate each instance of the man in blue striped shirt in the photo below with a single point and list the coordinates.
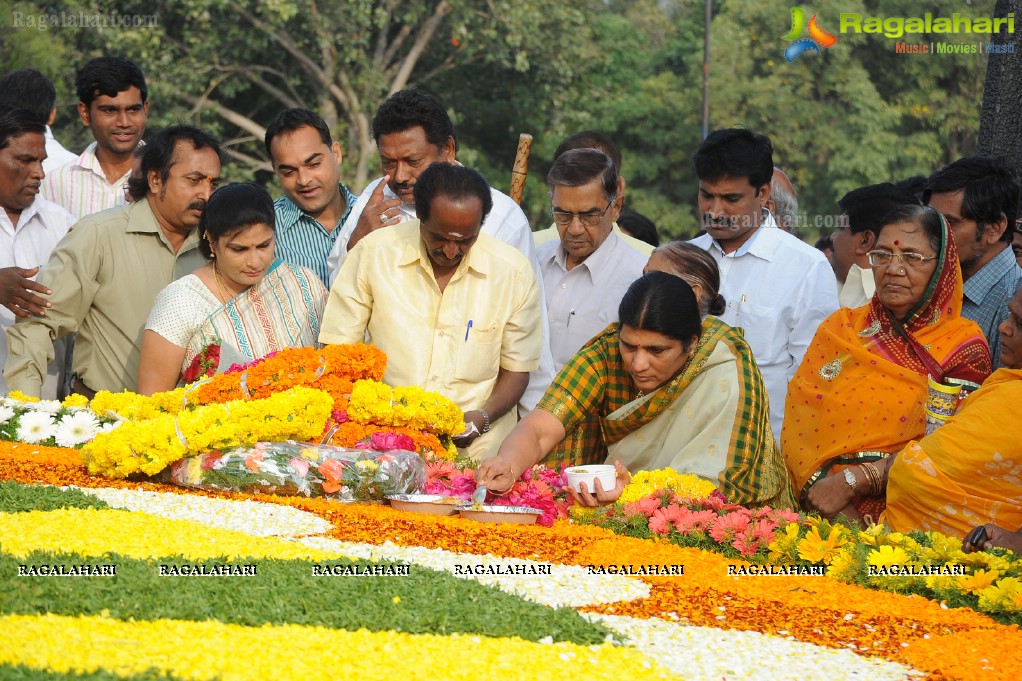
(315, 204)
(978, 197)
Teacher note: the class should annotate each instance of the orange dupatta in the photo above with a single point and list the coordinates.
(966, 473)
(860, 391)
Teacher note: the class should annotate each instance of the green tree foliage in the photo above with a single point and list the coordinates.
(855, 114)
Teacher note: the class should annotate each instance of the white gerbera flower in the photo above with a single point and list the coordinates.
(49, 406)
(35, 426)
(110, 425)
(76, 429)
(5, 414)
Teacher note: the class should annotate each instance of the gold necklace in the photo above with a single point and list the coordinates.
(220, 285)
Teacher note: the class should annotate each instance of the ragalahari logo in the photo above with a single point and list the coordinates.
(817, 36)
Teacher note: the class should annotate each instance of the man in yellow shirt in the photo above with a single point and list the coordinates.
(457, 312)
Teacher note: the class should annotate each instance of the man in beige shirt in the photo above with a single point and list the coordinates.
(457, 312)
(105, 274)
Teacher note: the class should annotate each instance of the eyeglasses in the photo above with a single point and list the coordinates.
(884, 258)
(590, 219)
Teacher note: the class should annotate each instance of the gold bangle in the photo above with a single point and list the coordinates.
(873, 476)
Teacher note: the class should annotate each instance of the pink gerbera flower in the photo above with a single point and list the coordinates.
(729, 525)
(764, 530)
(658, 524)
(645, 506)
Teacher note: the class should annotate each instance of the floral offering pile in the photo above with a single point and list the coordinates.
(539, 488)
(333, 395)
(248, 568)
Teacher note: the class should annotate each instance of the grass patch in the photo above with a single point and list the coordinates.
(284, 591)
(18, 498)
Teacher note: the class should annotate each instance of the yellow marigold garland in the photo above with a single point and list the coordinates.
(135, 407)
(407, 407)
(645, 483)
(150, 445)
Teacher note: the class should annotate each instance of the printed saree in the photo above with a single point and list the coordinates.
(860, 391)
(711, 420)
(966, 473)
(281, 311)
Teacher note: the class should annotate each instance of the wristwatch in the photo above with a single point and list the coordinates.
(850, 479)
(486, 420)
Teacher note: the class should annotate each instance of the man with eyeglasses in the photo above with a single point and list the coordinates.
(978, 197)
(862, 210)
(595, 139)
(588, 270)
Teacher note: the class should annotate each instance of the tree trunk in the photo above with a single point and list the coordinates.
(1000, 125)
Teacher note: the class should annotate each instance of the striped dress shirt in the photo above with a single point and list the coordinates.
(82, 188)
(302, 241)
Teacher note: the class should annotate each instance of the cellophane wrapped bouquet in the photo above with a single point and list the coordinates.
(294, 468)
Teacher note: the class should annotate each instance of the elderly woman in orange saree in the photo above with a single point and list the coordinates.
(860, 391)
(969, 471)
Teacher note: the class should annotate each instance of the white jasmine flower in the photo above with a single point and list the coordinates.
(76, 429)
(35, 426)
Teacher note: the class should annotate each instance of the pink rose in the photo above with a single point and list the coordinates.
(299, 466)
(384, 442)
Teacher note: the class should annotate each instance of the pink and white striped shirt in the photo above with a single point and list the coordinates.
(81, 186)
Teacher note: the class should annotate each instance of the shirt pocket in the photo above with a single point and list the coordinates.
(764, 329)
(479, 356)
(582, 329)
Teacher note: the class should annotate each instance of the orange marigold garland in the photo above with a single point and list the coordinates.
(352, 435)
(333, 369)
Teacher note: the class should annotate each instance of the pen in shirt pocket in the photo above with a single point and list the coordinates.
(738, 308)
(467, 329)
(570, 315)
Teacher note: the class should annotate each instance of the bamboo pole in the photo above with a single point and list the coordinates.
(521, 167)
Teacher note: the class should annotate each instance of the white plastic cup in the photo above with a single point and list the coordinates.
(576, 475)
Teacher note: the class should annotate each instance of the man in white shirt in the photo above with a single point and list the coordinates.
(412, 131)
(778, 289)
(594, 139)
(113, 104)
(862, 210)
(30, 226)
(31, 90)
(589, 268)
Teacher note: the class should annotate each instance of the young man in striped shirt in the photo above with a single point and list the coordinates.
(315, 203)
(113, 104)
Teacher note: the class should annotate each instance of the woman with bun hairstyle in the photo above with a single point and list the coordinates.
(666, 387)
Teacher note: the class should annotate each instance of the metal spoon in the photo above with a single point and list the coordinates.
(479, 496)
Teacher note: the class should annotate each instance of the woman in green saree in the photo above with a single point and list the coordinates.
(660, 389)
